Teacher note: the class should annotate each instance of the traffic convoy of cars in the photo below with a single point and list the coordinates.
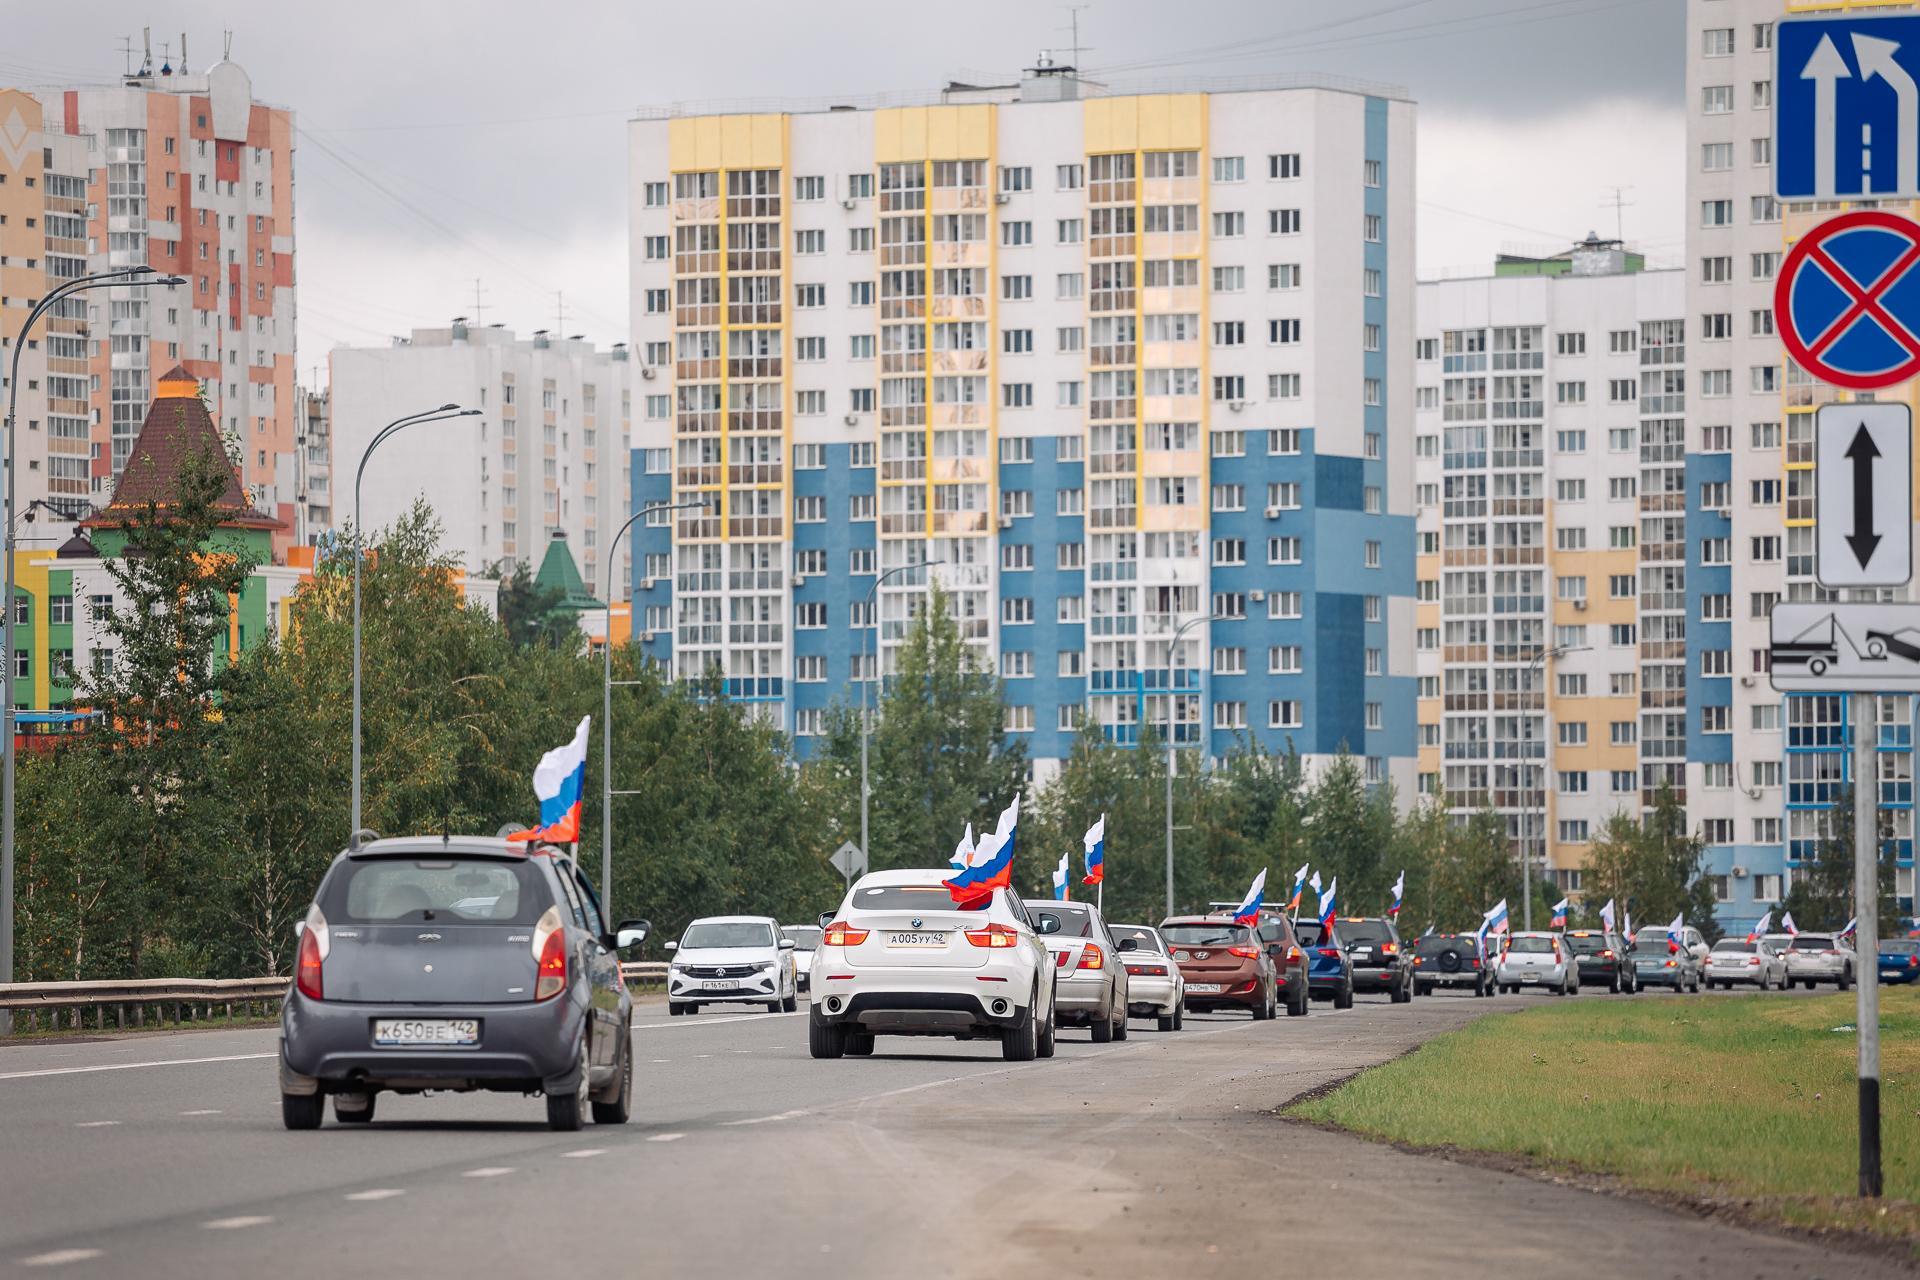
(461, 963)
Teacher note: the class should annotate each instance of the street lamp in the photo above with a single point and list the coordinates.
(1173, 647)
(606, 692)
(128, 277)
(359, 540)
(1537, 665)
(864, 631)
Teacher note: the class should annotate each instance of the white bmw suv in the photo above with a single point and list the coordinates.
(899, 958)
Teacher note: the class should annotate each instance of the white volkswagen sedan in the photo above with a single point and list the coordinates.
(900, 959)
(731, 960)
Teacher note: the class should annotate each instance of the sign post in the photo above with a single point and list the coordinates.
(849, 861)
(1866, 908)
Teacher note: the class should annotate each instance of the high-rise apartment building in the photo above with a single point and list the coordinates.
(1130, 373)
(548, 453)
(186, 173)
(314, 442)
(1763, 770)
(1537, 391)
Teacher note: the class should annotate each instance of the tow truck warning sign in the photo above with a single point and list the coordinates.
(1845, 648)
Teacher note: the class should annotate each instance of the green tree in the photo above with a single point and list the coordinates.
(531, 614)
(1822, 896)
(1650, 867)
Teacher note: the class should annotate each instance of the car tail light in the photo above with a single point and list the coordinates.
(1670, 964)
(1092, 957)
(1473, 961)
(1913, 962)
(1754, 960)
(1607, 954)
(1060, 959)
(1148, 970)
(1245, 953)
(994, 935)
(841, 934)
(1829, 953)
(314, 945)
(550, 953)
(1389, 948)
(1293, 953)
(1332, 953)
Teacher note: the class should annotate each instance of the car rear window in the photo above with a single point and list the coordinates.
(1728, 945)
(1307, 932)
(1808, 942)
(722, 933)
(911, 897)
(1366, 931)
(1651, 942)
(1587, 943)
(1075, 922)
(1440, 945)
(804, 937)
(1532, 946)
(1144, 938)
(1900, 946)
(453, 890)
(1224, 934)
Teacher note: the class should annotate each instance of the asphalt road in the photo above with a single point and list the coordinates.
(163, 1155)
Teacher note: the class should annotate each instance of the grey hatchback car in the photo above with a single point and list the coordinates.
(457, 963)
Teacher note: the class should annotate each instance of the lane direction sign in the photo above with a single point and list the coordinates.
(1846, 122)
(1863, 489)
(1847, 303)
(1845, 648)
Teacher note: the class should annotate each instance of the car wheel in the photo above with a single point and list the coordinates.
(1049, 1034)
(1613, 986)
(1179, 1017)
(1022, 1043)
(1263, 1008)
(616, 1109)
(675, 1010)
(790, 1004)
(1164, 1022)
(567, 1112)
(1846, 980)
(302, 1110)
(773, 1006)
(1102, 1031)
(1343, 998)
(1422, 990)
(1120, 1023)
(860, 1044)
(826, 1039)
(349, 1114)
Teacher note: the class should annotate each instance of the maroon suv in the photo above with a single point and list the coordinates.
(1224, 964)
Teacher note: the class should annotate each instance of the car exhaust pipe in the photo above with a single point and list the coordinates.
(1000, 1008)
(833, 1004)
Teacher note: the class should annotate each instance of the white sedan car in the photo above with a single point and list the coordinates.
(731, 960)
(1155, 987)
(900, 959)
(806, 940)
(1736, 960)
(1537, 960)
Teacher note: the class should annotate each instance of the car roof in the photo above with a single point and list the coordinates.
(470, 846)
(733, 920)
(1534, 933)
(904, 875)
(1211, 919)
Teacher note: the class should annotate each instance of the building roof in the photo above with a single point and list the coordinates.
(178, 427)
(559, 573)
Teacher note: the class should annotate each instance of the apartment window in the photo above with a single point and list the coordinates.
(1716, 213)
(1763, 209)
(1370, 553)
(1764, 435)
(1765, 493)
(1370, 282)
(1763, 95)
(1016, 610)
(860, 561)
(1283, 332)
(1229, 388)
(1229, 168)
(810, 188)
(860, 186)
(1570, 490)
(1285, 165)
(1016, 449)
(1069, 231)
(1716, 99)
(1283, 550)
(1229, 497)
(1573, 783)
(1070, 556)
(1016, 342)
(1570, 393)
(1229, 715)
(1014, 235)
(1229, 225)
(1067, 395)
(1229, 279)
(808, 297)
(1761, 152)
(1069, 502)
(1069, 340)
(1716, 42)
(1283, 222)
(656, 300)
(860, 400)
(1016, 557)
(1716, 157)
(1069, 177)
(1229, 333)
(1766, 717)
(1016, 395)
(1283, 714)
(859, 239)
(1284, 495)
(1370, 499)
(1016, 504)
(809, 241)
(1019, 719)
(1372, 609)
(1764, 377)
(808, 350)
(806, 457)
(1016, 178)
(1071, 664)
(1016, 288)
(1716, 383)
(1760, 322)
(1573, 831)
(810, 615)
(810, 404)
(860, 293)
(1229, 662)
(809, 509)
(1284, 659)
(1228, 444)
(1573, 733)
(1764, 266)
(1229, 604)
(655, 192)
(1229, 551)
(1283, 275)
(1016, 665)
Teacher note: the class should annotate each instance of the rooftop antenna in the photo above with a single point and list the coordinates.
(126, 47)
(559, 311)
(166, 58)
(1073, 25)
(226, 48)
(479, 308)
(1619, 204)
(146, 39)
(183, 53)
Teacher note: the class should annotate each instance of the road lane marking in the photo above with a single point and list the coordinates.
(132, 1066)
(718, 1020)
(96, 1124)
(204, 1111)
(585, 1153)
(236, 1224)
(489, 1171)
(666, 1137)
(59, 1257)
(784, 1115)
(377, 1193)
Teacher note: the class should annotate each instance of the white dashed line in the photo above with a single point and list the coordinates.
(583, 1154)
(235, 1224)
(132, 1066)
(378, 1193)
(205, 1111)
(59, 1257)
(666, 1137)
(96, 1124)
(784, 1115)
(659, 1060)
(490, 1171)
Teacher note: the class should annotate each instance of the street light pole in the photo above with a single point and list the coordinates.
(1173, 647)
(1537, 666)
(864, 632)
(359, 553)
(129, 277)
(606, 693)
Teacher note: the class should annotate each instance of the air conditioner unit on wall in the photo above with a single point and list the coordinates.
(1273, 513)
(1739, 873)
(1256, 595)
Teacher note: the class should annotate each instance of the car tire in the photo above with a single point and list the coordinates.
(1846, 980)
(1120, 1027)
(1613, 987)
(1420, 989)
(1102, 1031)
(302, 1110)
(1264, 1009)
(675, 1010)
(567, 1113)
(826, 1039)
(1049, 1034)
(860, 1044)
(790, 1004)
(1022, 1043)
(363, 1115)
(1298, 1004)
(1343, 998)
(773, 1006)
(1163, 1022)
(617, 1109)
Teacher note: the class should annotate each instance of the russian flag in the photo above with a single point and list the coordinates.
(1060, 879)
(1606, 915)
(1495, 920)
(1399, 890)
(991, 866)
(559, 781)
(1787, 924)
(962, 852)
(1299, 886)
(1673, 933)
(1849, 928)
(1096, 846)
(1248, 912)
(1326, 903)
(1559, 920)
(1759, 930)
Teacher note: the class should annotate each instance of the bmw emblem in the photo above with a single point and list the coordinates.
(916, 922)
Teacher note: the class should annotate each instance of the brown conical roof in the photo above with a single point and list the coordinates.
(178, 427)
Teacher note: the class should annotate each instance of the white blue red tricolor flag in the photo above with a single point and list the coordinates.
(1559, 920)
(1095, 842)
(1248, 912)
(1495, 920)
(991, 865)
(1760, 928)
(1606, 915)
(962, 852)
(1626, 928)
(1060, 879)
(1848, 929)
(1399, 891)
(559, 781)
(1326, 903)
(1787, 925)
(1673, 932)
(1299, 887)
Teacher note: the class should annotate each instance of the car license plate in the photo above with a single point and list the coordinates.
(1203, 988)
(912, 941)
(410, 1031)
(1889, 973)
(720, 984)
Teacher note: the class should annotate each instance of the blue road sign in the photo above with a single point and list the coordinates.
(1847, 303)
(1846, 117)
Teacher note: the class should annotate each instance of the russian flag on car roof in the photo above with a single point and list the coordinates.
(1096, 846)
(1760, 927)
(991, 866)
(1299, 886)
(1060, 879)
(1326, 902)
(1791, 929)
(559, 781)
(1248, 912)
(1495, 920)
(1399, 890)
(962, 852)
(1673, 932)
(1559, 915)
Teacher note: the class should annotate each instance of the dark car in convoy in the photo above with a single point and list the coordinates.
(1276, 934)
(1452, 960)
(457, 963)
(1329, 969)
(1900, 961)
(1603, 960)
(1224, 964)
(1380, 961)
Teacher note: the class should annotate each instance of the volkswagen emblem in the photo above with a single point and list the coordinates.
(916, 922)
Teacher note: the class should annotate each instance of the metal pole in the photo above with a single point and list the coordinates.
(359, 554)
(606, 696)
(864, 632)
(1173, 647)
(1866, 907)
(105, 280)
(1537, 669)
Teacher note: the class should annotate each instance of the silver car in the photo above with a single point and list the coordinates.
(1814, 958)
(1734, 960)
(1155, 987)
(1538, 960)
(1659, 963)
(1092, 977)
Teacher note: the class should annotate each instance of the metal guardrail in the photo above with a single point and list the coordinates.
(39, 1005)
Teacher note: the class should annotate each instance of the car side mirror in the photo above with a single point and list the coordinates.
(631, 933)
(673, 946)
(1129, 944)
(786, 944)
(299, 927)
(826, 918)
(1045, 924)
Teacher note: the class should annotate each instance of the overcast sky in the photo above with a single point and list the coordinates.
(440, 142)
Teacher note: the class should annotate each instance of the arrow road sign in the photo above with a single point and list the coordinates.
(1847, 304)
(1845, 648)
(1863, 488)
(1847, 108)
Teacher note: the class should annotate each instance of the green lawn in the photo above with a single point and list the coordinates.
(1750, 1099)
